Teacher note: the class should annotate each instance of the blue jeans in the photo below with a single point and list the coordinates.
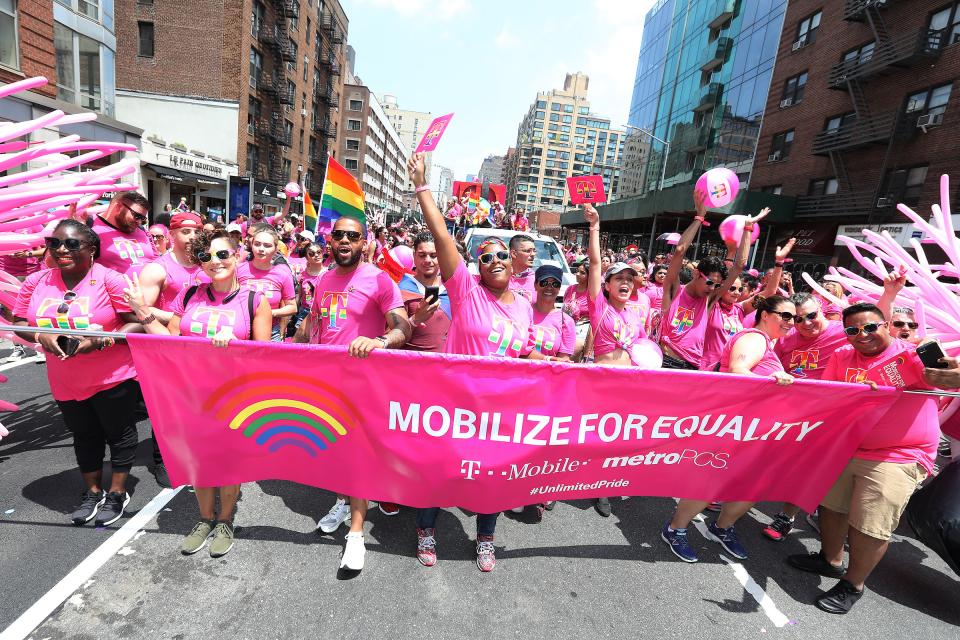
(486, 522)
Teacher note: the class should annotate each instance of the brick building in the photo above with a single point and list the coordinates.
(863, 112)
(26, 44)
(232, 87)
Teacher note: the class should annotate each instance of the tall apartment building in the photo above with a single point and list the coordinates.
(238, 87)
(491, 169)
(558, 138)
(411, 126)
(72, 44)
(372, 150)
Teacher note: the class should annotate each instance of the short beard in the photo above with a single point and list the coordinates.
(347, 261)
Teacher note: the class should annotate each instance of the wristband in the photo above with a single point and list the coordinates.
(148, 319)
(778, 264)
(36, 337)
(748, 227)
(384, 340)
(422, 188)
(703, 220)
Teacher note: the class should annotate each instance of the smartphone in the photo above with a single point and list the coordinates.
(68, 345)
(930, 354)
(431, 295)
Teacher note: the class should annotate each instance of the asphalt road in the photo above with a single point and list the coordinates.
(574, 574)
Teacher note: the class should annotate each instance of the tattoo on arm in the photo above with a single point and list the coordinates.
(400, 330)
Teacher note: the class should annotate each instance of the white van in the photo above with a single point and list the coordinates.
(548, 251)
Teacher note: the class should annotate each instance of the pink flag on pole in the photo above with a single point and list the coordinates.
(434, 132)
(586, 189)
(314, 415)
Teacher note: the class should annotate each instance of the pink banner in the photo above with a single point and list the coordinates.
(434, 132)
(486, 434)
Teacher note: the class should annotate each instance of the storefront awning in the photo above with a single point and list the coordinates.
(166, 173)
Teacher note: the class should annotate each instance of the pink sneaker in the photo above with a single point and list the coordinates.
(715, 507)
(486, 557)
(427, 547)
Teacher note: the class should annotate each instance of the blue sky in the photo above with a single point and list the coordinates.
(485, 60)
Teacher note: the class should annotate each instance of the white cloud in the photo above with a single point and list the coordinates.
(506, 39)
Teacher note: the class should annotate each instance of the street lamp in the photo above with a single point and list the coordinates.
(663, 177)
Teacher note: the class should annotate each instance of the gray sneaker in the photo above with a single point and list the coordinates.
(196, 539)
(222, 540)
(18, 353)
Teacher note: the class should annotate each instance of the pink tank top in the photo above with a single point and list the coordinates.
(683, 327)
(723, 325)
(178, 278)
(768, 364)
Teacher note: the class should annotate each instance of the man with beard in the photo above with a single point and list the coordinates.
(124, 245)
(358, 306)
(523, 253)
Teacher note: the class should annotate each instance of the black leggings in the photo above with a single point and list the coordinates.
(108, 417)
(669, 362)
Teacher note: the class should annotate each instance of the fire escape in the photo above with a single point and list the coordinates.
(273, 84)
(865, 128)
(325, 98)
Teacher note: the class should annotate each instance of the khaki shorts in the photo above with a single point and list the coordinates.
(874, 494)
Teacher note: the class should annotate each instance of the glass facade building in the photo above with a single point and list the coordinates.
(701, 84)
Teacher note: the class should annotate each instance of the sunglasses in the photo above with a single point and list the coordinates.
(810, 316)
(352, 236)
(206, 256)
(900, 324)
(140, 217)
(711, 283)
(551, 283)
(786, 316)
(314, 254)
(159, 237)
(70, 244)
(68, 297)
(737, 289)
(870, 327)
(487, 258)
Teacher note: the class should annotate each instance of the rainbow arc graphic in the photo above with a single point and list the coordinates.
(279, 409)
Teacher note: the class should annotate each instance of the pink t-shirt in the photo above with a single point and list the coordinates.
(683, 327)
(522, 283)
(209, 311)
(308, 286)
(20, 267)
(909, 431)
(803, 358)
(99, 301)
(724, 323)
(640, 304)
(297, 266)
(123, 252)
(178, 278)
(655, 293)
(769, 363)
(276, 284)
(614, 329)
(481, 324)
(554, 333)
(353, 305)
(577, 304)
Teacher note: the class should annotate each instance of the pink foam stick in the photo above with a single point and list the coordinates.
(16, 145)
(75, 118)
(820, 290)
(31, 197)
(56, 167)
(37, 151)
(33, 221)
(19, 129)
(920, 315)
(22, 85)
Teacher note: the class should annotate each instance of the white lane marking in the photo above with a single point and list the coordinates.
(749, 585)
(48, 603)
(12, 365)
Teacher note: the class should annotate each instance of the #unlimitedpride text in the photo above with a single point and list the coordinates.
(543, 430)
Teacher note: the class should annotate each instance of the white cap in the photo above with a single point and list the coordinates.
(306, 233)
(233, 226)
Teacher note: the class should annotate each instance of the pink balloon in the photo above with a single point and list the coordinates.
(720, 186)
(732, 228)
(404, 255)
(645, 354)
(22, 85)
(292, 189)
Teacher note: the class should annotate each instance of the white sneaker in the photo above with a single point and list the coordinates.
(18, 353)
(338, 514)
(518, 509)
(353, 553)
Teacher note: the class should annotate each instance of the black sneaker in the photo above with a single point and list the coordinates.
(815, 563)
(113, 507)
(90, 503)
(602, 505)
(840, 599)
(160, 473)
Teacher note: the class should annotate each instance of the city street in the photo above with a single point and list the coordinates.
(573, 575)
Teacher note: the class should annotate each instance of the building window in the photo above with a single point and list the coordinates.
(947, 20)
(295, 15)
(835, 123)
(356, 105)
(793, 90)
(780, 148)
(808, 28)
(9, 53)
(309, 32)
(256, 66)
(775, 189)
(89, 8)
(353, 144)
(584, 111)
(539, 115)
(353, 125)
(905, 185)
(860, 54)
(253, 159)
(823, 187)
(292, 65)
(932, 101)
(556, 106)
(287, 132)
(145, 30)
(554, 117)
(256, 20)
(253, 112)
(351, 164)
(567, 119)
(285, 168)
(78, 69)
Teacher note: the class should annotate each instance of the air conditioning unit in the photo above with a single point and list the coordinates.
(303, 113)
(799, 44)
(773, 157)
(929, 120)
(884, 202)
(788, 102)
(249, 128)
(253, 82)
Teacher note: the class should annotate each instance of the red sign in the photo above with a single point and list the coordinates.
(586, 189)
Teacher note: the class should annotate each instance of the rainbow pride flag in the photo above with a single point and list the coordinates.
(342, 196)
(310, 218)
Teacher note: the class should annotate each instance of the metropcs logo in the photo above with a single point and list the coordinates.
(714, 459)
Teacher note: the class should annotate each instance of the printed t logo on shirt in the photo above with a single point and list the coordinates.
(279, 409)
(128, 250)
(209, 328)
(76, 317)
(682, 320)
(801, 361)
(265, 287)
(333, 305)
(732, 325)
(855, 375)
(544, 339)
(502, 335)
(623, 333)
